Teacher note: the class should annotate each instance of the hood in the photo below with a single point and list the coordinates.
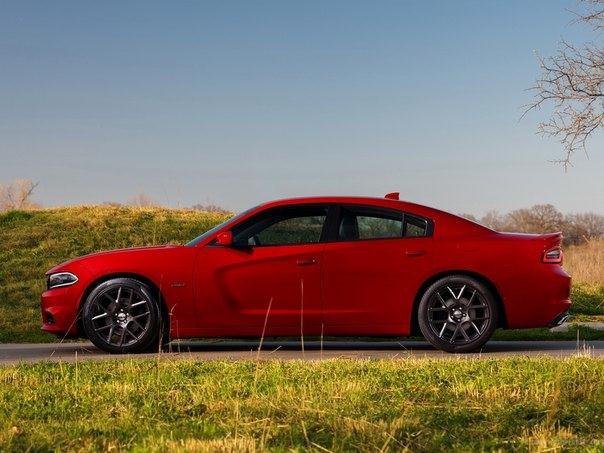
(132, 250)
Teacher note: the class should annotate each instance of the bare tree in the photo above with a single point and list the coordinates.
(583, 227)
(17, 195)
(541, 218)
(494, 220)
(573, 81)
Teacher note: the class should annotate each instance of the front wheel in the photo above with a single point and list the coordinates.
(457, 314)
(122, 316)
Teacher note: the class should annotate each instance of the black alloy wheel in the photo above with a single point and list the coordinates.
(122, 316)
(457, 314)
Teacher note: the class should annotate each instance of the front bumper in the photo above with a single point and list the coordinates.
(59, 307)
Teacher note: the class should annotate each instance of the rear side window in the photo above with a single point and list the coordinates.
(358, 223)
(379, 227)
(361, 223)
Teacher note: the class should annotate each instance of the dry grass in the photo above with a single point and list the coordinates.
(586, 262)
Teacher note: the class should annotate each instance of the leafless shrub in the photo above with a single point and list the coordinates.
(18, 195)
(583, 227)
(471, 217)
(142, 201)
(210, 207)
(573, 81)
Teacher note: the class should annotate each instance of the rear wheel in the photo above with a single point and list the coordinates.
(457, 314)
(122, 316)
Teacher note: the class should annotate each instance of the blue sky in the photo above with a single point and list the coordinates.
(236, 103)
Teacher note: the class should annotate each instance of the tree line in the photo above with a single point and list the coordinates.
(577, 228)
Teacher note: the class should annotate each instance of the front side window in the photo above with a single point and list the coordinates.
(282, 226)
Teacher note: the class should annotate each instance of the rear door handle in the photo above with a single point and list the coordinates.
(415, 252)
(307, 261)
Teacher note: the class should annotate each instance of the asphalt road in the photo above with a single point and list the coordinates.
(291, 350)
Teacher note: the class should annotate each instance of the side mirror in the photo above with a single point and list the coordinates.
(225, 239)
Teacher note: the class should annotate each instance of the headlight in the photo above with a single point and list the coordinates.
(60, 279)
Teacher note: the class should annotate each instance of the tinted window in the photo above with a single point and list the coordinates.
(365, 222)
(283, 226)
(415, 226)
(358, 223)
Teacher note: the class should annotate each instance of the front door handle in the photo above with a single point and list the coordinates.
(307, 261)
(415, 252)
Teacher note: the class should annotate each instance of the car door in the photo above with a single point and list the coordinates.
(372, 269)
(271, 274)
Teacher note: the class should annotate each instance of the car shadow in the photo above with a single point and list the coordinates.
(296, 345)
(288, 348)
(352, 345)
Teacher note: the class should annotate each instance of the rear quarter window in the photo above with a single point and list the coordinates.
(415, 227)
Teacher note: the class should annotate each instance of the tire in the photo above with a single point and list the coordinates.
(457, 314)
(122, 316)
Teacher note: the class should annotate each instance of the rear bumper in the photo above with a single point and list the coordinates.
(555, 312)
(538, 299)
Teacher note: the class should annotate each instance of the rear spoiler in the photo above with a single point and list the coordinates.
(547, 245)
(551, 240)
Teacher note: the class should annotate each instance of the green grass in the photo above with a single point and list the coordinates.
(34, 241)
(574, 333)
(340, 405)
(588, 300)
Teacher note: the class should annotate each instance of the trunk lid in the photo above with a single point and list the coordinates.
(540, 243)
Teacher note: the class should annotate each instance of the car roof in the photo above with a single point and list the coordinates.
(371, 201)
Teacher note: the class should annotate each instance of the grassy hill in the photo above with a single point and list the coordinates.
(31, 242)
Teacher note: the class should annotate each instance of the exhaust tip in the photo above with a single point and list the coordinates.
(560, 319)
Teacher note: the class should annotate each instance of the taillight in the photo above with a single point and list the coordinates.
(553, 256)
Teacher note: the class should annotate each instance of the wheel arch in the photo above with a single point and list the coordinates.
(163, 308)
(481, 278)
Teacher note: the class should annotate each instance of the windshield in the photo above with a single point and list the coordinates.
(211, 231)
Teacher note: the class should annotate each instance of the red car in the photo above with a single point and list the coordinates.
(316, 266)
